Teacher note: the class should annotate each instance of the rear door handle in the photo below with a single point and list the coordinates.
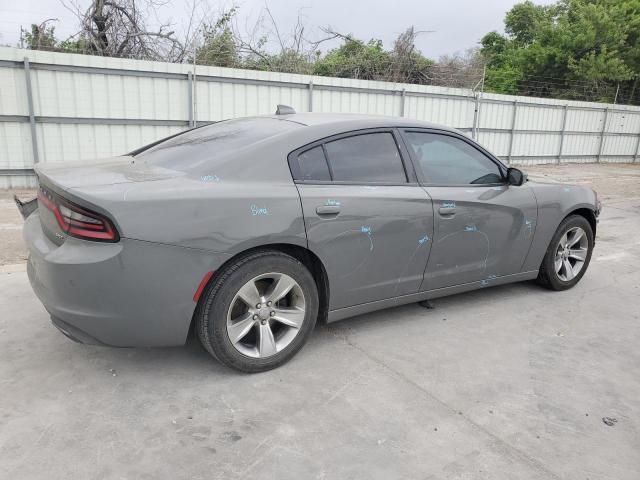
(447, 211)
(328, 209)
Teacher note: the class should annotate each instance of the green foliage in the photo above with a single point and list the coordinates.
(40, 37)
(355, 59)
(581, 49)
(218, 44)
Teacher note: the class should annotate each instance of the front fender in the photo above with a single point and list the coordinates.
(555, 203)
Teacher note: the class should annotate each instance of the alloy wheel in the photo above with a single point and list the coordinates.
(265, 315)
(571, 254)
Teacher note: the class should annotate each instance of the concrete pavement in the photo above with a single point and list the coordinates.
(509, 382)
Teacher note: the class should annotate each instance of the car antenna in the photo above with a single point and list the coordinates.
(284, 110)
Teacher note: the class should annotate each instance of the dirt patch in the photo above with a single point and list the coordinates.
(611, 181)
(12, 248)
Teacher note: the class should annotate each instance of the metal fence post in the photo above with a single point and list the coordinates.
(635, 155)
(190, 98)
(32, 117)
(311, 95)
(513, 130)
(476, 114)
(604, 129)
(562, 132)
(403, 96)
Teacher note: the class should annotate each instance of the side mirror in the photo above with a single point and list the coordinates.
(515, 177)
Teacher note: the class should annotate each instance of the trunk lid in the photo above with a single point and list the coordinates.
(110, 171)
(61, 178)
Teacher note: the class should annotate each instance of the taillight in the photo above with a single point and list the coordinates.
(78, 221)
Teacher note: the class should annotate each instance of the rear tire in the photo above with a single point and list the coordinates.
(258, 312)
(568, 254)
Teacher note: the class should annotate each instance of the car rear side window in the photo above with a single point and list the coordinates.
(371, 157)
(313, 165)
(446, 160)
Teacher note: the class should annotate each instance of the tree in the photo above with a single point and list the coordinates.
(581, 49)
(119, 28)
(218, 46)
(40, 37)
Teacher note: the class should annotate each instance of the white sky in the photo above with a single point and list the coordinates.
(457, 24)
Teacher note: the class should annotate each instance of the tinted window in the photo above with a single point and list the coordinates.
(371, 157)
(447, 160)
(202, 146)
(313, 165)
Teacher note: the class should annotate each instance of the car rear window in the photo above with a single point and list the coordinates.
(198, 147)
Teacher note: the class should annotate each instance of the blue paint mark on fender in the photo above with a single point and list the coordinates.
(448, 204)
(366, 230)
(258, 211)
(332, 203)
(423, 240)
(470, 228)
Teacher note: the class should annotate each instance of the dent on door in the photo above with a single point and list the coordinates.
(481, 233)
(373, 240)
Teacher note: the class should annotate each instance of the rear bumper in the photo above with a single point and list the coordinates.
(130, 293)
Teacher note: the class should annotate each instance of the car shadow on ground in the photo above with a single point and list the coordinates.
(195, 360)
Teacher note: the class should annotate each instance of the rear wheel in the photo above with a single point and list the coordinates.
(568, 254)
(258, 312)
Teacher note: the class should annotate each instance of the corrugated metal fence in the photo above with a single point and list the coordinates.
(56, 106)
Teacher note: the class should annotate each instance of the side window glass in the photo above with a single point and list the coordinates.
(371, 157)
(446, 160)
(313, 165)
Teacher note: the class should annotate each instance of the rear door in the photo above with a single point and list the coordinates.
(483, 226)
(366, 216)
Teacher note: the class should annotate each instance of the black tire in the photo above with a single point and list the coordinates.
(547, 276)
(211, 313)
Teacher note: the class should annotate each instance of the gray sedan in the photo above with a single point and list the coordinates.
(252, 230)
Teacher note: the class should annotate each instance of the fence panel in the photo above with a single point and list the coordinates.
(63, 107)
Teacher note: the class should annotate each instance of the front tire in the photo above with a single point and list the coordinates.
(258, 312)
(568, 254)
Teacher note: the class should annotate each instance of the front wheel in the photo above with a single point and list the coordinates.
(568, 254)
(258, 312)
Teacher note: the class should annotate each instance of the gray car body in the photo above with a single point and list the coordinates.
(386, 247)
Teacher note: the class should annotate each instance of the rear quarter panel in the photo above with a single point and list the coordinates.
(247, 200)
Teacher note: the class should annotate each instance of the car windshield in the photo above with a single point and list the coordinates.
(198, 147)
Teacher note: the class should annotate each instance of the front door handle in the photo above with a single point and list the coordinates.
(447, 211)
(328, 209)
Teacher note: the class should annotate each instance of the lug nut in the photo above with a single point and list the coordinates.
(272, 313)
(264, 322)
(268, 304)
(258, 306)
(255, 317)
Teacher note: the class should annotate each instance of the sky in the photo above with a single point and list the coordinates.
(454, 25)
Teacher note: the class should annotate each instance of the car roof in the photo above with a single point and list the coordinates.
(354, 121)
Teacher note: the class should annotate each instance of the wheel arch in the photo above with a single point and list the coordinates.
(588, 214)
(305, 256)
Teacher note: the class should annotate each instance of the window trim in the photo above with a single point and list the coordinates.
(446, 133)
(405, 161)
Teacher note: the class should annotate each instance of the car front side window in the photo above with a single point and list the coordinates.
(446, 160)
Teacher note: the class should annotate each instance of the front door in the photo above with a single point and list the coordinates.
(367, 221)
(483, 226)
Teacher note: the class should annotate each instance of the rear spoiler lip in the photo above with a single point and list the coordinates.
(26, 208)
